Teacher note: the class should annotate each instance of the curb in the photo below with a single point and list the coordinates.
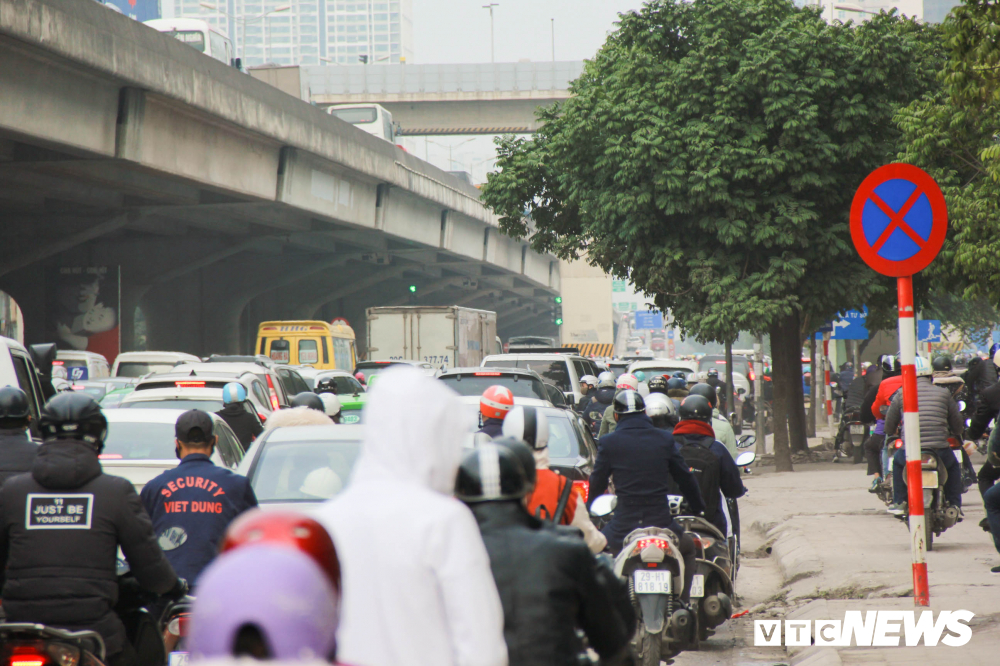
(824, 656)
(796, 557)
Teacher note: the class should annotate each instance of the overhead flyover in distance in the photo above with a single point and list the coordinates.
(426, 100)
(220, 200)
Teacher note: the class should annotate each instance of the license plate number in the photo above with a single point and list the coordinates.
(930, 478)
(178, 659)
(652, 582)
(857, 429)
(280, 356)
(349, 418)
(698, 585)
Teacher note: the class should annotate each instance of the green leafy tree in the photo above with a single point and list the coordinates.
(709, 155)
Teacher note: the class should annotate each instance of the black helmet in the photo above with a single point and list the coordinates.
(524, 455)
(697, 408)
(676, 384)
(713, 372)
(890, 363)
(657, 384)
(629, 402)
(326, 385)
(308, 399)
(76, 416)
(706, 391)
(13, 404)
(941, 364)
(679, 374)
(490, 473)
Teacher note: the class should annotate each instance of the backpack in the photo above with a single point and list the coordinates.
(705, 466)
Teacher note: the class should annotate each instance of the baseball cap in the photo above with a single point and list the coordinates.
(193, 425)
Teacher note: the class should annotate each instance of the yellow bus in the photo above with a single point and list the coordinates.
(316, 343)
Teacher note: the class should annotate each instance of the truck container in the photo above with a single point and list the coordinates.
(447, 336)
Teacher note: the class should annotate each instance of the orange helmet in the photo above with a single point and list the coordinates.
(286, 528)
(496, 402)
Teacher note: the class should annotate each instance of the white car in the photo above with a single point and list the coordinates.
(17, 368)
(140, 364)
(82, 365)
(190, 390)
(140, 444)
(301, 466)
(470, 383)
(561, 370)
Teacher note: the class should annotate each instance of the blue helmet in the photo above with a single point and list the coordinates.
(234, 392)
(994, 348)
(640, 375)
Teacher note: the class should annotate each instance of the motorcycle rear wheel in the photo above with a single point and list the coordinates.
(928, 533)
(650, 648)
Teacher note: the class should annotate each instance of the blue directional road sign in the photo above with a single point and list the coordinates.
(670, 334)
(929, 330)
(648, 319)
(852, 326)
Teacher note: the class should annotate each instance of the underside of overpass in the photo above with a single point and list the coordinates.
(220, 202)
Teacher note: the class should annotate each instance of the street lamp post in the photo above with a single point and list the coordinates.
(490, 7)
(242, 22)
(553, 40)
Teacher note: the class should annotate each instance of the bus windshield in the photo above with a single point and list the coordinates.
(357, 116)
(193, 38)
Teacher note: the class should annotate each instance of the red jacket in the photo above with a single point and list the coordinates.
(886, 390)
(545, 499)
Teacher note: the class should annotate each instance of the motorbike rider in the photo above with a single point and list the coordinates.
(495, 403)
(660, 410)
(593, 414)
(944, 376)
(417, 582)
(587, 385)
(641, 460)
(843, 382)
(987, 409)
(360, 376)
(981, 375)
(712, 379)
(332, 406)
(61, 525)
(939, 420)
(307, 399)
(723, 430)
(693, 434)
(244, 422)
(625, 382)
(549, 585)
(877, 404)
(17, 450)
(192, 504)
(553, 496)
(657, 384)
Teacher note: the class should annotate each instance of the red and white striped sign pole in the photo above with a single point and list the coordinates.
(899, 221)
(911, 438)
(826, 380)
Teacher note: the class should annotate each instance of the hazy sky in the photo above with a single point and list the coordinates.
(458, 31)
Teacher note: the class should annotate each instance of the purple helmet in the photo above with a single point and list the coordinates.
(279, 591)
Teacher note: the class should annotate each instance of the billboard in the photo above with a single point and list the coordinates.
(140, 10)
(83, 309)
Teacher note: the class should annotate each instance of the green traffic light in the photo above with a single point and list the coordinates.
(413, 288)
(558, 299)
(559, 322)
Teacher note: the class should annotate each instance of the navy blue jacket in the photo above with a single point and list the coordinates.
(642, 459)
(730, 481)
(191, 506)
(493, 428)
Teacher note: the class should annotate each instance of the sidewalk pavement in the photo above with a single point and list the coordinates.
(837, 549)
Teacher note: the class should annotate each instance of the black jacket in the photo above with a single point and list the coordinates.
(979, 377)
(246, 426)
(549, 586)
(987, 409)
(492, 427)
(17, 453)
(730, 482)
(594, 410)
(58, 549)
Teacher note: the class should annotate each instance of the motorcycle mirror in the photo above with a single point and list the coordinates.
(746, 441)
(732, 417)
(741, 391)
(603, 505)
(745, 458)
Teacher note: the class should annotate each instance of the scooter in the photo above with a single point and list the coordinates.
(155, 640)
(651, 564)
(712, 586)
(27, 644)
(939, 514)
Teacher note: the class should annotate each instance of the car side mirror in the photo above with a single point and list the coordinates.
(603, 505)
(746, 441)
(745, 458)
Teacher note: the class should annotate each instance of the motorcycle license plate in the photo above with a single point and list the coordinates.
(698, 585)
(857, 429)
(178, 659)
(930, 478)
(652, 582)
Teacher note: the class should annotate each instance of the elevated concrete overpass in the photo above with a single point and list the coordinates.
(446, 99)
(223, 200)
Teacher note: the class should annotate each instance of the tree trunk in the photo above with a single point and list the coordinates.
(811, 421)
(797, 438)
(779, 404)
(730, 401)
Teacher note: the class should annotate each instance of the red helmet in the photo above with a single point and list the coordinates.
(496, 402)
(360, 376)
(286, 528)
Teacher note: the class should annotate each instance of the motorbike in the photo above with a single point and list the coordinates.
(651, 564)
(939, 514)
(157, 640)
(26, 644)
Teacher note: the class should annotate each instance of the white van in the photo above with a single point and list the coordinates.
(140, 364)
(82, 365)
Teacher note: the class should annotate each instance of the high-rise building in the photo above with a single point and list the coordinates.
(927, 11)
(308, 32)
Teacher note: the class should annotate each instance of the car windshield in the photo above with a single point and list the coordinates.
(551, 371)
(114, 399)
(139, 369)
(564, 447)
(95, 391)
(740, 364)
(475, 384)
(303, 471)
(344, 385)
(139, 441)
(175, 403)
(356, 116)
(667, 370)
(370, 371)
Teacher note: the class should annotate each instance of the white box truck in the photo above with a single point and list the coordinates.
(446, 336)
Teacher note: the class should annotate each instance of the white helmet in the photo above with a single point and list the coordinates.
(322, 482)
(527, 424)
(606, 379)
(657, 404)
(590, 380)
(331, 404)
(922, 367)
(628, 381)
